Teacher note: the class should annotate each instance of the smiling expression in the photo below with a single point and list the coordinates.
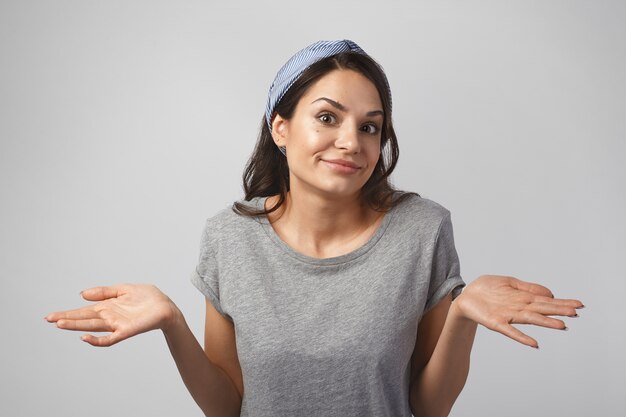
(333, 138)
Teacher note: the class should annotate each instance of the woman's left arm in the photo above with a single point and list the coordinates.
(440, 363)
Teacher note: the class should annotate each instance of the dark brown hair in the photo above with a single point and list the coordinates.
(267, 172)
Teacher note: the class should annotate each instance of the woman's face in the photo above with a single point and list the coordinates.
(333, 138)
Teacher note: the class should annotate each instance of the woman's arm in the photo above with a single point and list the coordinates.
(210, 386)
(441, 360)
(128, 310)
(446, 334)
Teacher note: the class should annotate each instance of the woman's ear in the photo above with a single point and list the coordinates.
(279, 130)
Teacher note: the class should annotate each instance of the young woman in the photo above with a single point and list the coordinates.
(328, 292)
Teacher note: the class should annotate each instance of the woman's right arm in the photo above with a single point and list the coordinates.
(209, 385)
(128, 310)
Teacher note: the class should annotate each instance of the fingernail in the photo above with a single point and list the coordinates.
(535, 347)
(575, 315)
(565, 328)
(582, 306)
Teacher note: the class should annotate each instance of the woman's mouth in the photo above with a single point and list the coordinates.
(341, 166)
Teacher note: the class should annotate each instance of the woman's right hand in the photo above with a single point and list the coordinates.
(124, 310)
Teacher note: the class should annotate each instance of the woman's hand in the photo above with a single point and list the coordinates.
(497, 302)
(124, 310)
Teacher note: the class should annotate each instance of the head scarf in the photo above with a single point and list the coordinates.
(298, 63)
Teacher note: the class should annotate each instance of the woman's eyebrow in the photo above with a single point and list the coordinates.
(344, 109)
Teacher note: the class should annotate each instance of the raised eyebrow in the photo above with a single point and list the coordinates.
(343, 108)
(375, 113)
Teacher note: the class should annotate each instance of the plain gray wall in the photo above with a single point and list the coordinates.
(125, 124)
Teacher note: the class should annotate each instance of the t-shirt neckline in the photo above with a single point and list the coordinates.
(259, 203)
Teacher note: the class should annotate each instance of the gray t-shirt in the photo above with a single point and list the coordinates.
(334, 336)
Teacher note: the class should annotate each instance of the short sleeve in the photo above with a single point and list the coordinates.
(446, 271)
(206, 275)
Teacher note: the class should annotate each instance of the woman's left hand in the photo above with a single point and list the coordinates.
(497, 302)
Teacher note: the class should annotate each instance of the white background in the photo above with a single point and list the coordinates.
(125, 124)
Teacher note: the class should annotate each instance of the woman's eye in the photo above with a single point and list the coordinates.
(370, 128)
(327, 118)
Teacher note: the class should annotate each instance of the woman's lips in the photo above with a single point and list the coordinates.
(343, 167)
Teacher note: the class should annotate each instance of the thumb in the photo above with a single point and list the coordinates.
(101, 293)
(533, 288)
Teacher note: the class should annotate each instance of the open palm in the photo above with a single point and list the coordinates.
(497, 302)
(123, 310)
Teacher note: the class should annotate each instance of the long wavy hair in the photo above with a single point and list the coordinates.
(267, 172)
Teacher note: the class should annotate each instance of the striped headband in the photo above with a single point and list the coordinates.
(302, 60)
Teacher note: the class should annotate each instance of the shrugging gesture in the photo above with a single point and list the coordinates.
(124, 310)
(497, 302)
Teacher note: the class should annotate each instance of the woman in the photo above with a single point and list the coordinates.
(315, 284)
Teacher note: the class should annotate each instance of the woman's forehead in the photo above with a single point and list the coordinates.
(344, 86)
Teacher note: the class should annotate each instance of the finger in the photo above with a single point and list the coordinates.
(91, 325)
(560, 301)
(517, 335)
(552, 309)
(101, 341)
(101, 293)
(529, 317)
(533, 288)
(77, 314)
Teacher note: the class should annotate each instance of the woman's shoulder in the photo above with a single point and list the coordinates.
(227, 221)
(415, 205)
(416, 215)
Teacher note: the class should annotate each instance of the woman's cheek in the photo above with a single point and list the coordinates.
(318, 141)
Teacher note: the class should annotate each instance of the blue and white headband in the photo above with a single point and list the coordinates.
(302, 60)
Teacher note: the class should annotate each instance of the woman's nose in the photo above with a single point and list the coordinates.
(348, 138)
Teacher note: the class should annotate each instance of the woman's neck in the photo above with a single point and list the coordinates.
(321, 227)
